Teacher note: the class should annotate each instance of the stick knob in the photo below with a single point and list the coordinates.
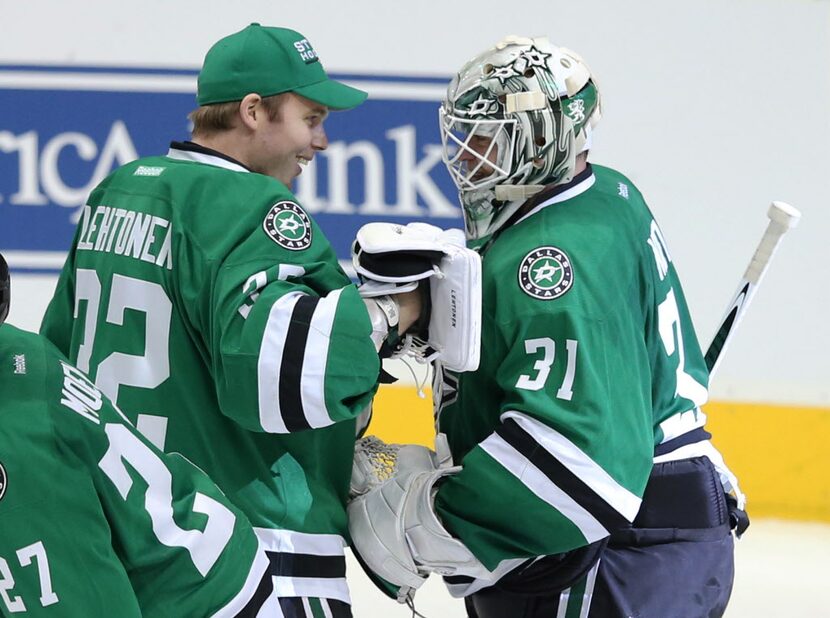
(784, 214)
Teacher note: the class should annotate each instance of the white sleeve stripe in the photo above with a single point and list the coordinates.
(537, 482)
(258, 571)
(269, 363)
(580, 464)
(288, 541)
(327, 588)
(312, 382)
(682, 422)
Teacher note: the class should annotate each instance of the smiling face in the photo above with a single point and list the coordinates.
(283, 145)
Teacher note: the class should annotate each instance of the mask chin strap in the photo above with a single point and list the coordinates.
(512, 193)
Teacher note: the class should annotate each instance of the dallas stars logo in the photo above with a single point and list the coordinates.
(3, 482)
(482, 106)
(288, 226)
(546, 273)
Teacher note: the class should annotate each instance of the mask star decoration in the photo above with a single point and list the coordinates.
(534, 57)
(482, 106)
(503, 73)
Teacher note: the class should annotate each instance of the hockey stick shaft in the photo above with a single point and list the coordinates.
(783, 217)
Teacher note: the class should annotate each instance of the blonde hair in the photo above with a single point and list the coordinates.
(211, 119)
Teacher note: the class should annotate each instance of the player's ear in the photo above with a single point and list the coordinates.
(251, 111)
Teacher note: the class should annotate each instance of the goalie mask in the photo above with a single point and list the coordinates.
(513, 121)
(5, 290)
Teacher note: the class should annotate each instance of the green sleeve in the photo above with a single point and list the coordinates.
(291, 346)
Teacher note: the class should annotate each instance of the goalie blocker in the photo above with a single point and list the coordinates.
(392, 259)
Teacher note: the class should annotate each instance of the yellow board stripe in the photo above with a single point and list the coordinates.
(779, 453)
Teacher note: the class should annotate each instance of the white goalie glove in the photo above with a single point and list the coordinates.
(391, 259)
(392, 519)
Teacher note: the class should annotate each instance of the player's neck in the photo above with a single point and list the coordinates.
(226, 143)
(581, 163)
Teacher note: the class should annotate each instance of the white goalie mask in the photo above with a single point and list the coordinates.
(513, 121)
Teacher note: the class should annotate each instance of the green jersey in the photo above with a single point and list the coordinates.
(588, 355)
(203, 299)
(94, 520)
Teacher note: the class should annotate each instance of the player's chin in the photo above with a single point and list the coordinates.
(481, 175)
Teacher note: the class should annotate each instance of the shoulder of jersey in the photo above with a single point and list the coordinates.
(613, 184)
(22, 362)
(533, 261)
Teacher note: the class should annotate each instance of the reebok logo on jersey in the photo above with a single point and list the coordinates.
(3, 482)
(288, 226)
(622, 189)
(148, 170)
(546, 273)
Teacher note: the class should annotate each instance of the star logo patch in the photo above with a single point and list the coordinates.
(288, 225)
(546, 273)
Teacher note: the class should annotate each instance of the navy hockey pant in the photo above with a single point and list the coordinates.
(676, 561)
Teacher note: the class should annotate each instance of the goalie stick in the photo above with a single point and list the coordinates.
(783, 217)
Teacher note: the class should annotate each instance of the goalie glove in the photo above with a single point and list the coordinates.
(393, 524)
(391, 258)
(375, 461)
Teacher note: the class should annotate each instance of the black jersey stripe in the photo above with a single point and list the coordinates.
(291, 369)
(561, 476)
(690, 437)
(456, 580)
(306, 565)
(263, 591)
(292, 607)
(339, 609)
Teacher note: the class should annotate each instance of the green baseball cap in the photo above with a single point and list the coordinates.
(269, 61)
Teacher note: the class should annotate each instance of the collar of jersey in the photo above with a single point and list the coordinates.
(190, 151)
(565, 193)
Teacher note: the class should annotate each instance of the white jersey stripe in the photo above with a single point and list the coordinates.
(312, 382)
(682, 422)
(583, 467)
(537, 482)
(287, 541)
(292, 542)
(564, 598)
(270, 363)
(322, 587)
(588, 595)
(255, 576)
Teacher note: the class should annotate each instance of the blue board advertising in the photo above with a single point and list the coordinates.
(63, 129)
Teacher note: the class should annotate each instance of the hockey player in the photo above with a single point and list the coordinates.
(587, 483)
(203, 299)
(94, 520)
